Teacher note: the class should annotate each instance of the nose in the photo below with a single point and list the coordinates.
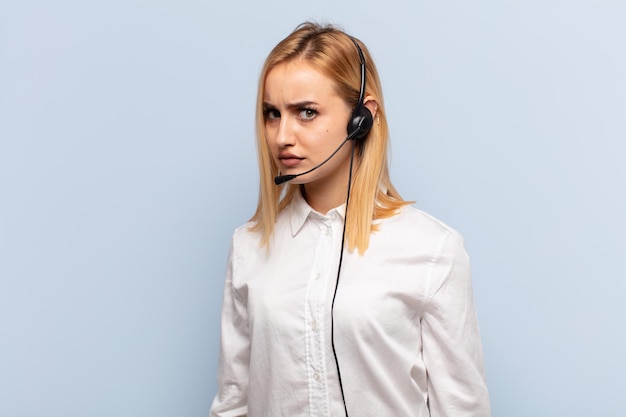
(285, 135)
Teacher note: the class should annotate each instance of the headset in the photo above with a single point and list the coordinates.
(361, 120)
(359, 126)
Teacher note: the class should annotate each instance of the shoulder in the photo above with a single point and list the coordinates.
(413, 228)
(416, 221)
(245, 238)
(415, 217)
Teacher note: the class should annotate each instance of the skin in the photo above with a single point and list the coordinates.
(305, 121)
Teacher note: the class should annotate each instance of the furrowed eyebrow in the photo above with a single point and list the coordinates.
(301, 104)
(291, 106)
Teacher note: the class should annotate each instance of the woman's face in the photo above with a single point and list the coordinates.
(305, 121)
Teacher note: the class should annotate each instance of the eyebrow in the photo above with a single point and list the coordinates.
(292, 106)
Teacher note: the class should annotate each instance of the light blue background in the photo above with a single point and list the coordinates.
(127, 158)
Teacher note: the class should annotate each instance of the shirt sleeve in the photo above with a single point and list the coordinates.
(452, 350)
(231, 397)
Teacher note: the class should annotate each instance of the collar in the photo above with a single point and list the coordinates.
(299, 211)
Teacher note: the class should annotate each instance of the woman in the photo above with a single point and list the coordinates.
(385, 327)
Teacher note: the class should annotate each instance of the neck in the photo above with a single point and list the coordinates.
(326, 194)
(323, 199)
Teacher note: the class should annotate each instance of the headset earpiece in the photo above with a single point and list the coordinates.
(361, 120)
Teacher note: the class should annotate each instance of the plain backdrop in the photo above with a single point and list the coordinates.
(127, 158)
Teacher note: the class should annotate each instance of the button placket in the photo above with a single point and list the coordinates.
(315, 312)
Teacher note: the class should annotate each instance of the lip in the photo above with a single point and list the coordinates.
(288, 159)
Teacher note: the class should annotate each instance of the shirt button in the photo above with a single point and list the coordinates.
(317, 276)
(314, 326)
(316, 376)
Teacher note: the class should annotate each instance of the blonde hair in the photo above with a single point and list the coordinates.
(332, 52)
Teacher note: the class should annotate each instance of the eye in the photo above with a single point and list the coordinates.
(307, 114)
(271, 114)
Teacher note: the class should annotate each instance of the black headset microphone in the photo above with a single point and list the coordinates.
(360, 124)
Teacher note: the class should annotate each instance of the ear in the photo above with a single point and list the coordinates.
(371, 105)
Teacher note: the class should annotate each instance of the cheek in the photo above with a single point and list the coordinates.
(272, 148)
(269, 138)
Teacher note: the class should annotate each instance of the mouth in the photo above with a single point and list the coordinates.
(289, 160)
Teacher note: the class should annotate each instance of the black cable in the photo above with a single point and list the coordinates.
(332, 306)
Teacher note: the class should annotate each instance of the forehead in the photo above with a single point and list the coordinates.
(297, 81)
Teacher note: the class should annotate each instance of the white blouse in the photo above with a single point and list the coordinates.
(406, 332)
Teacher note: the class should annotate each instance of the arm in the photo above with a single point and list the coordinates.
(452, 349)
(231, 397)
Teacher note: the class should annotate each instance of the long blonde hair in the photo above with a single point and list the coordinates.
(332, 52)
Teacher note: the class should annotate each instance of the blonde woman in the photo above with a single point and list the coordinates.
(340, 298)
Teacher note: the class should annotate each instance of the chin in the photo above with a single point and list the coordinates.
(299, 181)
